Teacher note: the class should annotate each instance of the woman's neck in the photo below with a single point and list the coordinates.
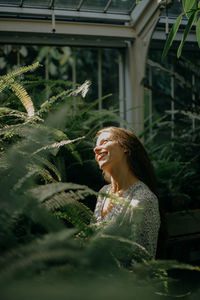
(122, 179)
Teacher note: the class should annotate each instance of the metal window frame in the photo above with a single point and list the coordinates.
(65, 14)
(129, 32)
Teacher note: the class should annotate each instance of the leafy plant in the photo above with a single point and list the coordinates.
(46, 240)
(191, 12)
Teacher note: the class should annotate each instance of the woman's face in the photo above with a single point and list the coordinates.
(108, 152)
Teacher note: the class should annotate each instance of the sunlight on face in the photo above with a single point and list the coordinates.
(108, 153)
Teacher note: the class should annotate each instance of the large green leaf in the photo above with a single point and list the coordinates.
(188, 6)
(186, 31)
(198, 32)
(172, 34)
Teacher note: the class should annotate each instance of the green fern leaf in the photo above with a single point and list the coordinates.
(22, 180)
(44, 192)
(8, 112)
(46, 176)
(72, 197)
(49, 165)
(58, 145)
(58, 248)
(47, 104)
(9, 78)
(22, 70)
(24, 98)
(83, 89)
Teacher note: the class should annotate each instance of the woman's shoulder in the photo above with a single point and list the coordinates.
(140, 191)
(105, 188)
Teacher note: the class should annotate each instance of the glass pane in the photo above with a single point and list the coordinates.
(174, 10)
(72, 4)
(10, 2)
(37, 3)
(94, 5)
(122, 6)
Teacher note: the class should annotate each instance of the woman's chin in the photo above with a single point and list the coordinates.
(102, 165)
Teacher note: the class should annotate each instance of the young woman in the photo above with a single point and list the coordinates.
(126, 166)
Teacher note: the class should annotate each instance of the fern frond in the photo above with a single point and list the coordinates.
(47, 104)
(71, 197)
(4, 84)
(8, 112)
(75, 215)
(140, 251)
(10, 130)
(21, 70)
(24, 98)
(83, 89)
(46, 191)
(172, 264)
(58, 247)
(22, 180)
(50, 166)
(8, 79)
(46, 175)
(75, 211)
(18, 129)
(57, 145)
(93, 104)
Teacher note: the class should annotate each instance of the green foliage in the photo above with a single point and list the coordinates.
(45, 239)
(191, 11)
(28, 148)
(172, 35)
(191, 20)
(174, 140)
(189, 6)
(198, 32)
(7, 81)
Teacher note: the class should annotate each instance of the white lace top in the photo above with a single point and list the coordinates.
(135, 217)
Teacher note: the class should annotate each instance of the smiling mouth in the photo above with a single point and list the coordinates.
(100, 156)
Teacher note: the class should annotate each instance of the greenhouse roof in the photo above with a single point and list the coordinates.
(107, 11)
(85, 22)
(113, 10)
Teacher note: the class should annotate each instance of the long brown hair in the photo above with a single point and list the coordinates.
(137, 156)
